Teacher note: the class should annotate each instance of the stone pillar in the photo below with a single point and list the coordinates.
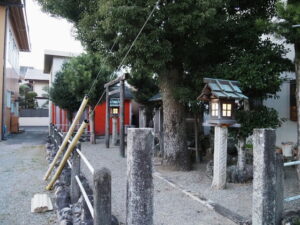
(220, 158)
(279, 188)
(75, 190)
(102, 197)
(264, 177)
(139, 176)
(114, 130)
(142, 118)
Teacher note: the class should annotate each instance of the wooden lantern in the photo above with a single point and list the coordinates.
(223, 96)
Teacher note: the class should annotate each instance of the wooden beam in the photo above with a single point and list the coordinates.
(107, 119)
(67, 154)
(117, 80)
(67, 137)
(122, 128)
(114, 92)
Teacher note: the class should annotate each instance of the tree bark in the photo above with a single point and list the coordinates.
(197, 150)
(92, 126)
(176, 154)
(241, 163)
(297, 70)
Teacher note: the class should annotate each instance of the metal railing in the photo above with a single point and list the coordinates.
(292, 198)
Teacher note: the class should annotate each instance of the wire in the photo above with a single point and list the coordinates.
(97, 102)
(141, 30)
(127, 53)
(95, 80)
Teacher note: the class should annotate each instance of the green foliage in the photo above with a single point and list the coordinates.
(81, 71)
(183, 42)
(258, 70)
(259, 117)
(27, 97)
(62, 96)
(289, 15)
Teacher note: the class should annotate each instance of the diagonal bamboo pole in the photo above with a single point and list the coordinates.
(67, 137)
(67, 154)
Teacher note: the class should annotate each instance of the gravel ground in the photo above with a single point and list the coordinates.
(197, 182)
(22, 166)
(171, 207)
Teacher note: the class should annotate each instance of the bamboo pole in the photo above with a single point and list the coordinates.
(67, 154)
(67, 137)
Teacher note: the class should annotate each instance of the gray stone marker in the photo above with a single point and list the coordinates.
(114, 131)
(140, 142)
(75, 190)
(102, 197)
(279, 188)
(267, 199)
(220, 158)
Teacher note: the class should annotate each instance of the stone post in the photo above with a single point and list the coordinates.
(102, 197)
(114, 130)
(264, 177)
(220, 158)
(75, 190)
(142, 118)
(140, 143)
(279, 188)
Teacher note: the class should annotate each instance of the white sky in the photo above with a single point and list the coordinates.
(49, 33)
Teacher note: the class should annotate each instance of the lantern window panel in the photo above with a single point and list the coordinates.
(226, 110)
(214, 109)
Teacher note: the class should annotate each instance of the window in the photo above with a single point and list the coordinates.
(226, 110)
(115, 111)
(214, 109)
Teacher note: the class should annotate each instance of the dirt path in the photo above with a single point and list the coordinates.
(22, 165)
(171, 206)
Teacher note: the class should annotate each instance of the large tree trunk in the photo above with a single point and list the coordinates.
(176, 154)
(197, 150)
(297, 70)
(92, 126)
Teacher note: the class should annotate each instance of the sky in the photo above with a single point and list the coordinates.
(49, 33)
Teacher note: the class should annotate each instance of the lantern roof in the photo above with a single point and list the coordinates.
(221, 89)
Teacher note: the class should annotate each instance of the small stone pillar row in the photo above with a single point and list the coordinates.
(114, 130)
(267, 203)
(139, 176)
(220, 157)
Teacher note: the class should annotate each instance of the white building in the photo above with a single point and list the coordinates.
(53, 62)
(285, 105)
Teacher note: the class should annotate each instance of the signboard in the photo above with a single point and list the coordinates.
(114, 102)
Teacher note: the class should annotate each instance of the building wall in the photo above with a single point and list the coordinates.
(34, 121)
(11, 81)
(100, 115)
(288, 131)
(2, 47)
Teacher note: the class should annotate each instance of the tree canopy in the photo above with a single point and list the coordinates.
(62, 96)
(183, 42)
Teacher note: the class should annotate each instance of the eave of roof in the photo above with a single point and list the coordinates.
(50, 54)
(19, 23)
(155, 98)
(221, 89)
